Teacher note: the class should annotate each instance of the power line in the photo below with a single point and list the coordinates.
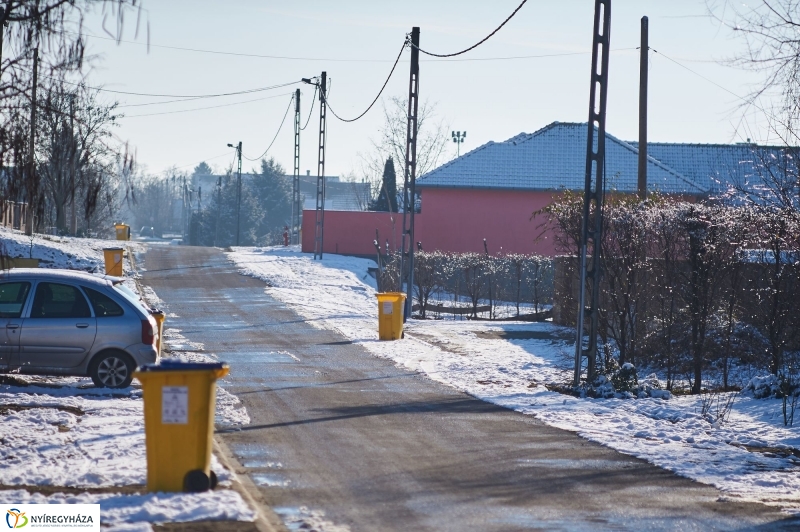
(237, 54)
(249, 91)
(208, 107)
(190, 96)
(158, 103)
(276, 133)
(479, 42)
(513, 57)
(749, 102)
(701, 76)
(340, 60)
(311, 110)
(405, 43)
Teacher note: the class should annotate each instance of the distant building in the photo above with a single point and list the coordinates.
(339, 195)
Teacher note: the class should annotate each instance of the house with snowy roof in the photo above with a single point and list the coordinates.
(492, 191)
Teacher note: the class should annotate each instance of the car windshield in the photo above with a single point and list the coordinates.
(131, 296)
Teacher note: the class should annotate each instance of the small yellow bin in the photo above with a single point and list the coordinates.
(113, 258)
(390, 315)
(160, 317)
(179, 400)
(123, 231)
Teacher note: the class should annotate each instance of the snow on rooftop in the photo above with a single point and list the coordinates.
(554, 158)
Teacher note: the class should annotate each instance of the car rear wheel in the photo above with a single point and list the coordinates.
(112, 370)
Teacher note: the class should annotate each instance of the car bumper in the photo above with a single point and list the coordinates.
(146, 355)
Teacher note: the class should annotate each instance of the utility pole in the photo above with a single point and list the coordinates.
(73, 225)
(410, 174)
(592, 230)
(32, 185)
(643, 57)
(319, 236)
(184, 216)
(296, 176)
(238, 187)
(219, 210)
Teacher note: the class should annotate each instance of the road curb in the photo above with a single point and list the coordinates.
(266, 519)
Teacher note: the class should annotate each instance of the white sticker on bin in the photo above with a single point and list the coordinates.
(175, 405)
(387, 307)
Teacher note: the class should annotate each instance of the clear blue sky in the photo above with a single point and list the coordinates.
(491, 100)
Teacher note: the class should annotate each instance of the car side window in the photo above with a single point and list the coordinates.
(12, 299)
(53, 300)
(104, 306)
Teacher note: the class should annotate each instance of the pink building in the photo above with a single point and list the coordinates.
(451, 220)
(493, 191)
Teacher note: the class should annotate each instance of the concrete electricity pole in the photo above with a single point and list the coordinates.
(31, 161)
(644, 48)
(296, 207)
(73, 169)
(410, 174)
(319, 234)
(592, 226)
(219, 210)
(238, 187)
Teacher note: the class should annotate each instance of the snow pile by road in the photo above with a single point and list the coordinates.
(84, 254)
(752, 456)
(64, 432)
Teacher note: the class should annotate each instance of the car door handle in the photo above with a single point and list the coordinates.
(12, 326)
(81, 325)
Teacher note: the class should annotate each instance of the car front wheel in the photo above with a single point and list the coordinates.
(112, 370)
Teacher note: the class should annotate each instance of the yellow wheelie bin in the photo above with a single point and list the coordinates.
(123, 231)
(113, 259)
(390, 315)
(179, 400)
(160, 317)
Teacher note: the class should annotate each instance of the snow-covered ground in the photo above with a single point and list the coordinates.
(63, 432)
(749, 457)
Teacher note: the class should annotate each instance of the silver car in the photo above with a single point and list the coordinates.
(64, 322)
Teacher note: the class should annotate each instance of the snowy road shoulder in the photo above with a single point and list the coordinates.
(750, 457)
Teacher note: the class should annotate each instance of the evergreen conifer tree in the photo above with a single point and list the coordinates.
(387, 197)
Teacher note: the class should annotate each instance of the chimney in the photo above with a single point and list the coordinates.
(308, 172)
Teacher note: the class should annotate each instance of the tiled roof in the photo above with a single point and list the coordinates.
(555, 158)
(720, 166)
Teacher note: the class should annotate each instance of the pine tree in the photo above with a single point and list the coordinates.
(272, 208)
(387, 197)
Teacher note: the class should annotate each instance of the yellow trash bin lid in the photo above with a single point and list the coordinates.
(218, 369)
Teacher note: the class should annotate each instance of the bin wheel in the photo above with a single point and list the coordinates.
(196, 481)
(212, 480)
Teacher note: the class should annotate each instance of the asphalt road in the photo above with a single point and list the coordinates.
(378, 448)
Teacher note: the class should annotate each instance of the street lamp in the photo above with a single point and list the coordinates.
(458, 138)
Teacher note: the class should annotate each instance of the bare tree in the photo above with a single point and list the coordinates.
(770, 30)
(391, 142)
(74, 130)
(52, 30)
